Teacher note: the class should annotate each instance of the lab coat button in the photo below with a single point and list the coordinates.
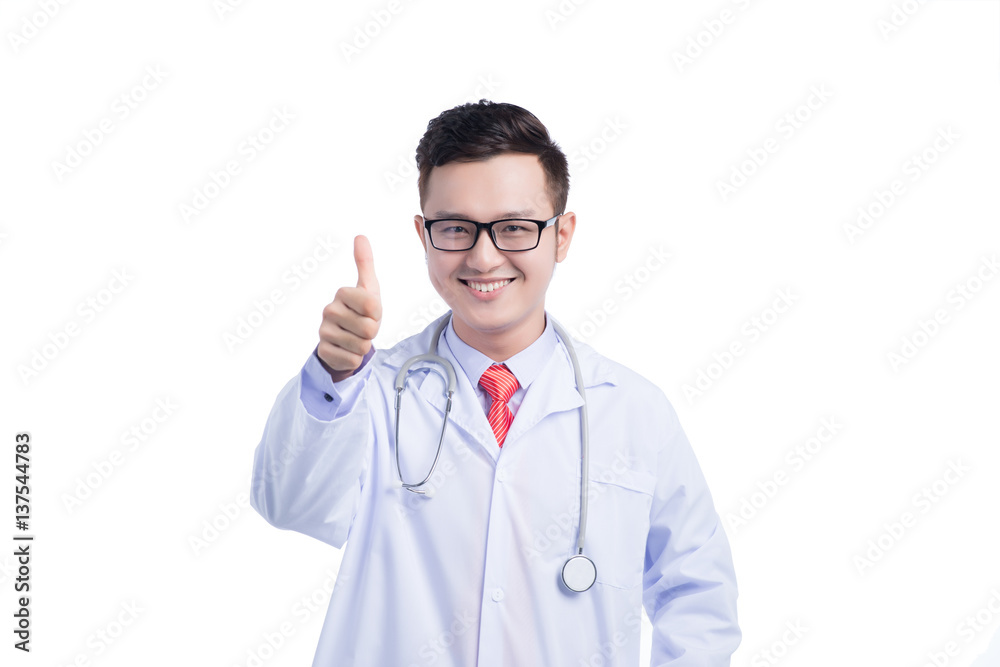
(498, 595)
(501, 475)
(328, 397)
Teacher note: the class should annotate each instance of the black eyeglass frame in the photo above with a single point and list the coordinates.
(480, 226)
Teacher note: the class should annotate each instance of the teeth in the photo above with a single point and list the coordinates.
(487, 287)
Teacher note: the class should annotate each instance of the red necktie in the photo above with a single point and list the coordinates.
(500, 384)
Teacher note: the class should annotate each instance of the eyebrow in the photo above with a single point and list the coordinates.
(527, 213)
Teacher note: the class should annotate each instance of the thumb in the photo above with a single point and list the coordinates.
(366, 264)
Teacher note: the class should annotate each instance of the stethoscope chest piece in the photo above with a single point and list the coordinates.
(579, 573)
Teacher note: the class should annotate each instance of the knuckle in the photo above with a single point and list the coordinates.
(327, 332)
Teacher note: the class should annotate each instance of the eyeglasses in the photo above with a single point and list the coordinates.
(512, 235)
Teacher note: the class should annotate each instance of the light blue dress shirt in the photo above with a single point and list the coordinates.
(471, 575)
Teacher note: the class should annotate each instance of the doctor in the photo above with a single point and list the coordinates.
(468, 567)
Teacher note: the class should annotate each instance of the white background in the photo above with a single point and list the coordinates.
(660, 135)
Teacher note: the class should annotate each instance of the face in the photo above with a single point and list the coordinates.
(510, 317)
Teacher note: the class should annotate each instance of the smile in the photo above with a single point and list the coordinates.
(487, 287)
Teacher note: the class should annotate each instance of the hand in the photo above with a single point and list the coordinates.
(352, 319)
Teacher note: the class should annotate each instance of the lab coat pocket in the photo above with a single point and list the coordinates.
(618, 523)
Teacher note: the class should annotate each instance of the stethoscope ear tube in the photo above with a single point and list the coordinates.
(431, 357)
(400, 385)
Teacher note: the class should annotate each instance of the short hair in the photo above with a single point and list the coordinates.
(478, 131)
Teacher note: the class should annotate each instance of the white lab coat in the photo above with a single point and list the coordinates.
(471, 576)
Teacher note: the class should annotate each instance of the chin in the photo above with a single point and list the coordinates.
(484, 321)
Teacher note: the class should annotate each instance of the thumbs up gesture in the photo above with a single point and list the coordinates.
(352, 319)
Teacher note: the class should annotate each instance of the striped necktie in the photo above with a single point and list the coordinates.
(500, 384)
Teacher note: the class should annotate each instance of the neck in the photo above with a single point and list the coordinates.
(502, 344)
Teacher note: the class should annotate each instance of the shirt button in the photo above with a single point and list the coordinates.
(497, 594)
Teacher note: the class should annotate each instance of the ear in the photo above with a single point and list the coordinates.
(418, 224)
(565, 226)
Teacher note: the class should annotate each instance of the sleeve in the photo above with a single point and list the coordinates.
(309, 469)
(325, 399)
(689, 584)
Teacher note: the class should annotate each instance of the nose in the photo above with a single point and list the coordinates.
(484, 256)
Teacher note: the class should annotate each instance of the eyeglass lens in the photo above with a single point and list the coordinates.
(461, 235)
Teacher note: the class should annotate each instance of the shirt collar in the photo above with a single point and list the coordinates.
(525, 365)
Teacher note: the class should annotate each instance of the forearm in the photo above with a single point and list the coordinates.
(307, 472)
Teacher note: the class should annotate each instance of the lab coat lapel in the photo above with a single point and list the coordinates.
(554, 390)
(466, 410)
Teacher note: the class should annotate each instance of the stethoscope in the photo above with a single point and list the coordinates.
(579, 572)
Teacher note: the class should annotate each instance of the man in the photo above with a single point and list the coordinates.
(466, 569)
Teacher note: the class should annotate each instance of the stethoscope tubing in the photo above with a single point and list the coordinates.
(450, 379)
